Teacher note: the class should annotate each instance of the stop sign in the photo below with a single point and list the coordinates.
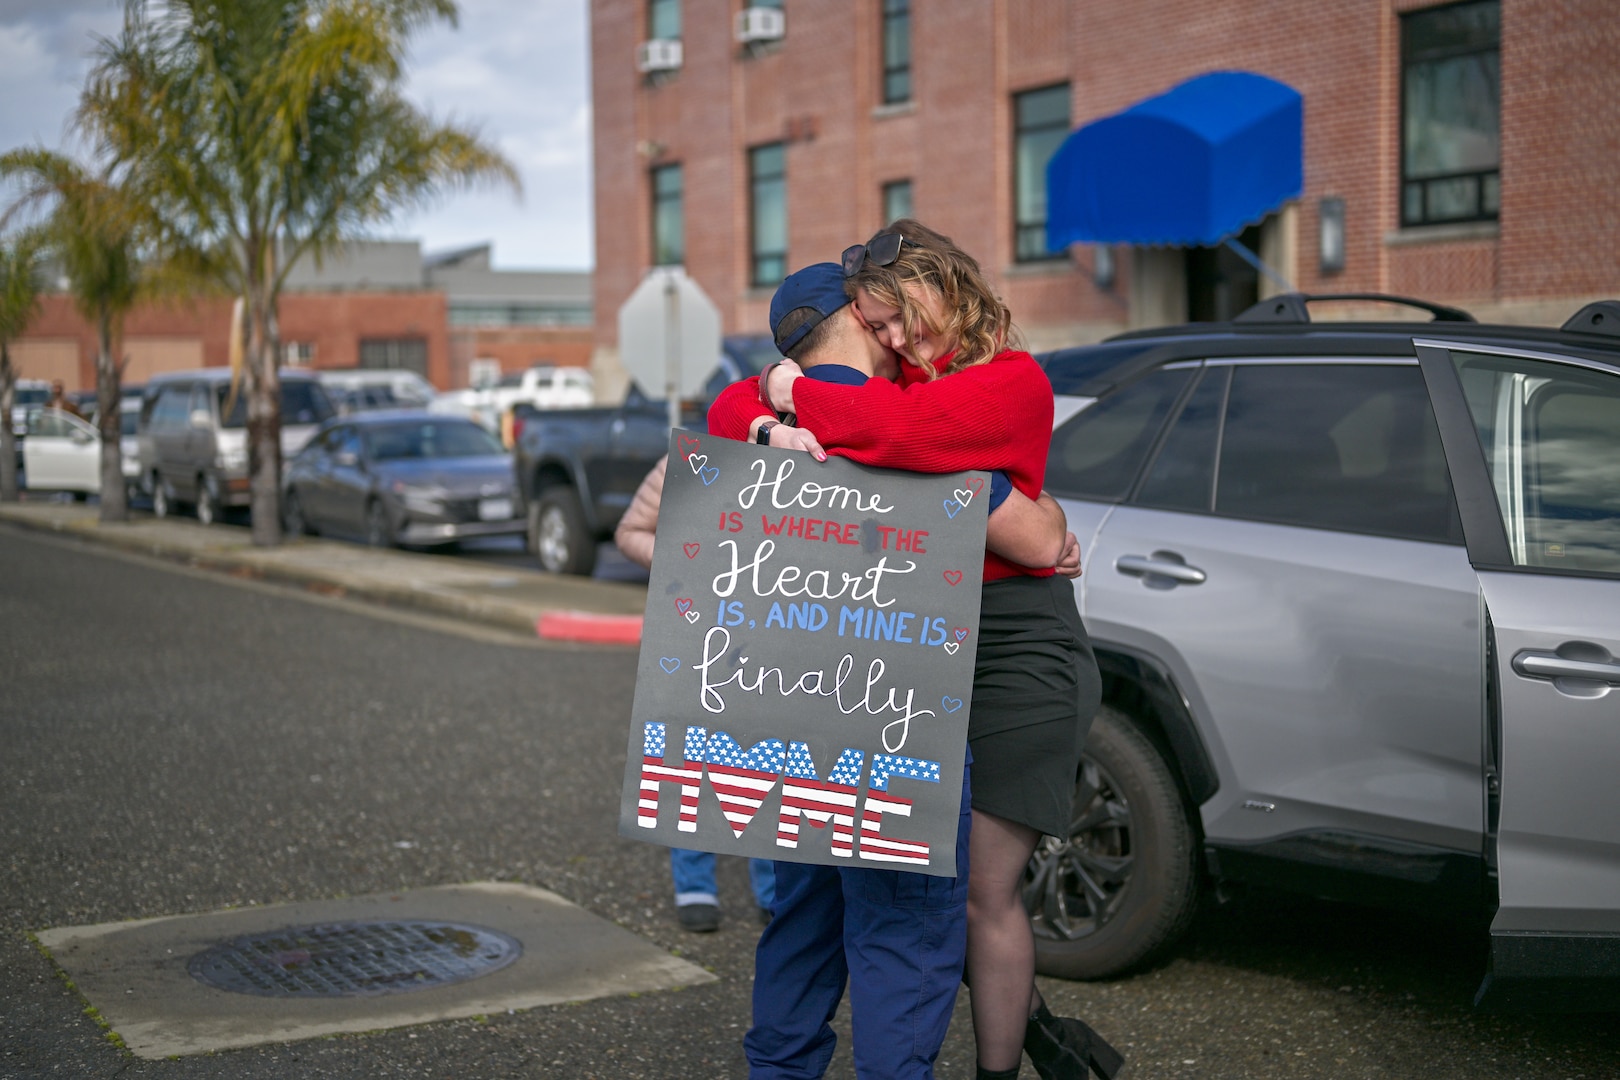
(669, 334)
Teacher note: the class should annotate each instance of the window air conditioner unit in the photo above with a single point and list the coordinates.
(760, 24)
(659, 54)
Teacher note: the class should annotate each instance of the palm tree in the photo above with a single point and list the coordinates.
(262, 132)
(90, 230)
(19, 300)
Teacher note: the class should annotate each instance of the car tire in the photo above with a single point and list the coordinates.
(292, 515)
(207, 502)
(162, 499)
(379, 532)
(1123, 886)
(557, 533)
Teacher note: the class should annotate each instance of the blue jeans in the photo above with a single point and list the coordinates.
(899, 939)
(693, 872)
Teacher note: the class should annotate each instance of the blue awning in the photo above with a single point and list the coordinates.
(1189, 167)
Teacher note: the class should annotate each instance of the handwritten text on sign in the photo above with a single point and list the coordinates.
(806, 659)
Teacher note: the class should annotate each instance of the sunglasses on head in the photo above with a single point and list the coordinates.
(882, 250)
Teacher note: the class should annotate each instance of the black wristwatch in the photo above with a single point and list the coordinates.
(763, 436)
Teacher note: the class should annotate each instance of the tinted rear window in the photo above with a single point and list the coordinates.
(1097, 453)
(302, 402)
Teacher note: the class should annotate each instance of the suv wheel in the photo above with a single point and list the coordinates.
(1124, 884)
(162, 501)
(207, 502)
(557, 533)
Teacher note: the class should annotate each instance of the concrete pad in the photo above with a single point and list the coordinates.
(135, 972)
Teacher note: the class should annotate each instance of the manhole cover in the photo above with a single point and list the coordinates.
(356, 959)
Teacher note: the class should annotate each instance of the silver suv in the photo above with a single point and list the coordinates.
(1355, 591)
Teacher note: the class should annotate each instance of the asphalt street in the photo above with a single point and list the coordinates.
(175, 741)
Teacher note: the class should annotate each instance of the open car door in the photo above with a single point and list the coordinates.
(1533, 443)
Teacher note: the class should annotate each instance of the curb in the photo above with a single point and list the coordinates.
(580, 627)
(588, 627)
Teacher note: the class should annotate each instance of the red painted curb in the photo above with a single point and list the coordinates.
(589, 627)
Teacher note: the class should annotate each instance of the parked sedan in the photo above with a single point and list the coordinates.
(61, 452)
(401, 477)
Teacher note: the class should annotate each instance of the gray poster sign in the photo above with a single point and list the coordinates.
(807, 659)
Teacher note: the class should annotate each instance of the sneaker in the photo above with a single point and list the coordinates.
(699, 918)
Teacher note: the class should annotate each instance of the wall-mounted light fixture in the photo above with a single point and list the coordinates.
(1330, 213)
(1102, 266)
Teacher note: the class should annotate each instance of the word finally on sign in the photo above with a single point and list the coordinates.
(807, 659)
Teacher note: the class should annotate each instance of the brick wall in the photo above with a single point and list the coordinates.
(1555, 245)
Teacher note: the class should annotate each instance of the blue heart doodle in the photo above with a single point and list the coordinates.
(952, 508)
(669, 664)
(709, 475)
(951, 704)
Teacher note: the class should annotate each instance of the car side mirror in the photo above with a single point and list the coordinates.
(200, 418)
(346, 459)
(82, 437)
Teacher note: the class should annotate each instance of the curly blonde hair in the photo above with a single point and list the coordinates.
(975, 318)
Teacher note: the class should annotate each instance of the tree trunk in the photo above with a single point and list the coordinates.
(264, 413)
(114, 504)
(8, 438)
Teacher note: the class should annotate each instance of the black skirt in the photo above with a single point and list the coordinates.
(1035, 691)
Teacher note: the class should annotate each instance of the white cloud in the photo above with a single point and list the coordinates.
(519, 73)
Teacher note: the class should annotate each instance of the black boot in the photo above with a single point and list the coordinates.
(1062, 1048)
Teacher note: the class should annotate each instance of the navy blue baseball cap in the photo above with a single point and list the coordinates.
(819, 286)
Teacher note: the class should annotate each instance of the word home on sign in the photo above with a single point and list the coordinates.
(742, 779)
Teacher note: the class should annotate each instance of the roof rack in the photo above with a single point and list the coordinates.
(1290, 307)
(1598, 317)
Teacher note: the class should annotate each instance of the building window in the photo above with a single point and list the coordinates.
(776, 4)
(1041, 122)
(896, 201)
(896, 51)
(664, 19)
(1451, 109)
(767, 183)
(407, 353)
(668, 217)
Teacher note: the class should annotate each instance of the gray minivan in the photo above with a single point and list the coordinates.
(192, 436)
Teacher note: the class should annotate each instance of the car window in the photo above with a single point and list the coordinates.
(199, 401)
(128, 420)
(1551, 435)
(430, 439)
(303, 401)
(1182, 475)
(1070, 369)
(169, 413)
(1352, 447)
(50, 424)
(1097, 454)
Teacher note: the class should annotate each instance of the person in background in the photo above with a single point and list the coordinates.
(697, 900)
(60, 400)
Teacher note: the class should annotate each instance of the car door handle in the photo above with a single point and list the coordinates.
(1536, 664)
(1161, 570)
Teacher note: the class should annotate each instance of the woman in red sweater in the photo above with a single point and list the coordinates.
(967, 401)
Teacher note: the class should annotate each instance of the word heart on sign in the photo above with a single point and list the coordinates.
(807, 659)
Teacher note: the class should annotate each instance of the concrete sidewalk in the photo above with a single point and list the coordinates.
(556, 607)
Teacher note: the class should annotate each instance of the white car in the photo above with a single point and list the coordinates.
(61, 452)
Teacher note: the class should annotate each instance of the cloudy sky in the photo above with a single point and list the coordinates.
(517, 70)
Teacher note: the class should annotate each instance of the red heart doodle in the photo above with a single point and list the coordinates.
(953, 577)
(684, 604)
(976, 486)
(691, 550)
(961, 633)
(686, 445)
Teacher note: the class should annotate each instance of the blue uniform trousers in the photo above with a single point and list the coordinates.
(693, 872)
(899, 939)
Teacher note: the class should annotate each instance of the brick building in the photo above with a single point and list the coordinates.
(744, 158)
(380, 304)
